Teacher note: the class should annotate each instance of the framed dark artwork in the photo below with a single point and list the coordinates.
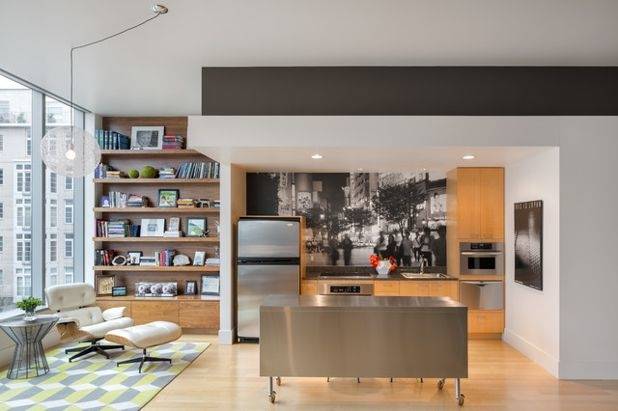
(191, 288)
(529, 244)
(168, 198)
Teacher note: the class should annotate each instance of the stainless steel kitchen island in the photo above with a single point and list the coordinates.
(363, 336)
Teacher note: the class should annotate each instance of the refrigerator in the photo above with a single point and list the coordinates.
(268, 262)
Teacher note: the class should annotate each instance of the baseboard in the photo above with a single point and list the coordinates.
(226, 336)
(531, 351)
(588, 370)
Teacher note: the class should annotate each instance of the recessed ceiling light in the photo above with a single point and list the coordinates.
(468, 157)
(359, 169)
(316, 156)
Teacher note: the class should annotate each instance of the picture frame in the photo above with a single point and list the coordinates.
(133, 257)
(156, 289)
(147, 137)
(148, 261)
(105, 284)
(174, 224)
(197, 227)
(210, 285)
(152, 227)
(199, 258)
(168, 198)
(119, 291)
(190, 288)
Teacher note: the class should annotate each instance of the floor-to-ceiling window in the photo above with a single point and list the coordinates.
(37, 207)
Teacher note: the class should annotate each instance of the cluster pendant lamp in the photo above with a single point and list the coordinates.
(71, 151)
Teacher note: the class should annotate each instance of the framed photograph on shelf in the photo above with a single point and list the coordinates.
(133, 257)
(191, 288)
(196, 227)
(147, 137)
(174, 224)
(152, 227)
(210, 285)
(151, 289)
(105, 284)
(168, 198)
(199, 258)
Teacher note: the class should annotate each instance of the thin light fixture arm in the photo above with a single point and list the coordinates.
(158, 10)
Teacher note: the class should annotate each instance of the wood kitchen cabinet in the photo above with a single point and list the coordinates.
(485, 321)
(480, 203)
(308, 287)
(386, 288)
(434, 288)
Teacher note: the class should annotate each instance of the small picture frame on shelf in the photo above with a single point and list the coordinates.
(119, 291)
(174, 224)
(147, 137)
(168, 198)
(105, 202)
(196, 227)
(133, 257)
(105, 284)
(152, 227)
(199, 258)
(210, 285)
(191, 288)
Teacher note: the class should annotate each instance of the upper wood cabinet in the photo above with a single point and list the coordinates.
(480, 203)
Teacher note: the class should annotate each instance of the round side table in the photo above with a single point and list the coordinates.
(29, 357)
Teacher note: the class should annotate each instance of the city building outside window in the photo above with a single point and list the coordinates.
(68, 183)
(68, 247)
(68, 275)
(53, 276)
(1, 142)
(1, 210)
(1, 176)
(68, 211)
(53, 182)
(53, 213)
(1, 277)
(1, 243)
(53, 248)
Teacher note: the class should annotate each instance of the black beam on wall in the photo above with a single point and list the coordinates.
(470, 91)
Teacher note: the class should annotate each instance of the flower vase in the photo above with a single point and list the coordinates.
(383, 267)
(29, 316)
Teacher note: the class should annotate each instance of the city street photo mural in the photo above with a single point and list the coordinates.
(350, 216)
(529, 244)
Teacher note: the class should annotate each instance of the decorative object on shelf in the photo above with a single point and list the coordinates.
(105, 284)
(186, 203)
(216, 203)
(174, 224)
(202, 203)
(115, 174)
(148, 261)
(133, 257)
(210, 285)
(196, 227)
(148, 172)
(383, 266)
(190, 288)
(71, 151)
(103, 257)
(180, 260)
(147, 137)
(133, 173)
(199, 258)
(529, 244)
(161, 289)
(152, 227)
(105, 202)
(119, 291)
(29, 305)
(167, 173)
(101, 170)
(168, 197)
(119, 260)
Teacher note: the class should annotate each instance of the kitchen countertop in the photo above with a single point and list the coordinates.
(396, 276)
(357, 301)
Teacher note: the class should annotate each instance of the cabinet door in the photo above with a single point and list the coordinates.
(485, 321)
(415, 288)
(468, 211)
(308, 287)
(199, 314)
(439, 288)
(147, 311)
(491, 204)
(386, 287)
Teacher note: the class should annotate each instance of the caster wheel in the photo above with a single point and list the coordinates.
(440, 384)
(278, 379)
(271, 397)
(460, 401)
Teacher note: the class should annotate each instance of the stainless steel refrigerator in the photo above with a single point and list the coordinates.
(268, 262)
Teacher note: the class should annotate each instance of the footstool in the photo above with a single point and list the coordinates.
(145, 336)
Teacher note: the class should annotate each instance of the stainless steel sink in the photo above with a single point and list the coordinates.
(424, 275)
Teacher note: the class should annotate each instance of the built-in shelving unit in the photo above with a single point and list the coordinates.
(190, 311)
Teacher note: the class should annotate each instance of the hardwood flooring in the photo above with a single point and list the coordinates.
(226, 377)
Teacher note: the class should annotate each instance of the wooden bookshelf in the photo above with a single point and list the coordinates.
(190, 311)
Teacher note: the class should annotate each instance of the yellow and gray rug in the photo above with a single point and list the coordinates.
(95, 383)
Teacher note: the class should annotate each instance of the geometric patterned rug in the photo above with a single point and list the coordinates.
(95, 383)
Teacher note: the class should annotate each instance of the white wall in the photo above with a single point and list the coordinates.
(532, 317)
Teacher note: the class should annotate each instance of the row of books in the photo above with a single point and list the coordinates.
(208, 169)
(167, 172)
(112, 140)
(165, 257)
(173, 142)
(103, 257)
(117, 199)
(117, 228)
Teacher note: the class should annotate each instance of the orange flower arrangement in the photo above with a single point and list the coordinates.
(374, 261)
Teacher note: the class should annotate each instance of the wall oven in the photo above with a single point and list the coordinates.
(481, 258)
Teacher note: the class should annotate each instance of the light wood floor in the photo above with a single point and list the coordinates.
(226, 377)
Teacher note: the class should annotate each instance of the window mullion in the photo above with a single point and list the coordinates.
(38, 196)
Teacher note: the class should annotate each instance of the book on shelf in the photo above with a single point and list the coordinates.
(114, 228)
(117, 199)
(167, 173)
(213, 261)
(173, 142)
(186, 203)
(204, 169)
(112, 140)
(165, 258)
(103, 257)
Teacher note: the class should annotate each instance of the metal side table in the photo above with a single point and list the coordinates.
(28, 358)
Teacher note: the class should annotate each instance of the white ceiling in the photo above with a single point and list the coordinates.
(156, 70)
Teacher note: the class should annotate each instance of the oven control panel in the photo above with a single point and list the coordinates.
(335, 288)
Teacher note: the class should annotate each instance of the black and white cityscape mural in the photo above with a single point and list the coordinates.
(529, 244)
(353, 215)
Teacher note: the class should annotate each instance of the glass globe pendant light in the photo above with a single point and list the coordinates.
(71, 151)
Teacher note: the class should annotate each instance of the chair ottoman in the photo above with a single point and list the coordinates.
(145, 336)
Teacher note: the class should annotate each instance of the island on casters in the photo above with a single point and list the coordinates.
(328, 336)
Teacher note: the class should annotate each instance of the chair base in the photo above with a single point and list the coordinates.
(144, 358)
(94, 347)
